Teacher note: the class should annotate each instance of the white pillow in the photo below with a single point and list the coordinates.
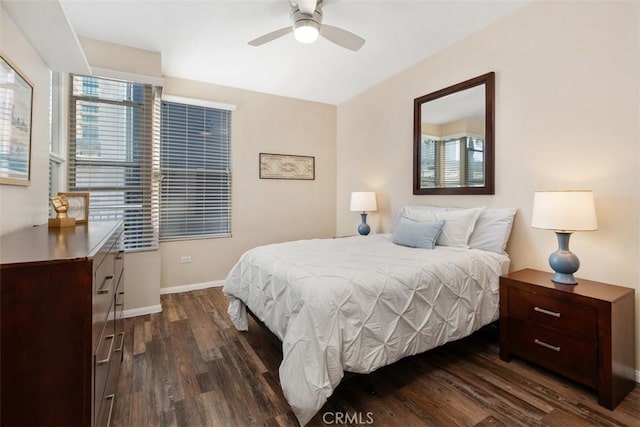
(459, 224)
(492, 230)
(411, 212)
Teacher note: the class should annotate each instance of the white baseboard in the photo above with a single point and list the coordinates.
(170, 290)
(191, 287)
(638, 377)
(142, 311)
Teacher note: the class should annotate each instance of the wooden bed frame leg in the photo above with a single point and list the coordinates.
(371, 388)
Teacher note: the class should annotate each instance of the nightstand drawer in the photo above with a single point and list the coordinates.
(572, 318)
(575, 358)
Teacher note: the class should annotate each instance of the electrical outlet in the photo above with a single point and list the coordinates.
(185, 259)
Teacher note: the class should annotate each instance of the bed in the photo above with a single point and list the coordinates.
(359, 303)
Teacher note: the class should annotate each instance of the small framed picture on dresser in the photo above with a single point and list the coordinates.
(78, 205)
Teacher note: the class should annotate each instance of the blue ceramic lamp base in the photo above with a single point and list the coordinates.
(364, 228)
(563, 261)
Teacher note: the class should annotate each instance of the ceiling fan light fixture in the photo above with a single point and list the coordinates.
(306, 31)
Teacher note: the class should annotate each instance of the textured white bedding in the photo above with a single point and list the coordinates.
(359, 303)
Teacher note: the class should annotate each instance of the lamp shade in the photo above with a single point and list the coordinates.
(564, 210)
(363, 201)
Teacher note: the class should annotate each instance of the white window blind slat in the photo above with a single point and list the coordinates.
(195, 147)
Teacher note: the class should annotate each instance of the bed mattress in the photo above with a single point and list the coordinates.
(359, 303)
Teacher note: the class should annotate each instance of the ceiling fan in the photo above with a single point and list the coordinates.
(306, 25)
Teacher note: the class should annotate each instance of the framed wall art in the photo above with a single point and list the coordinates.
(78, 206)
(286, 166)
(16, 103)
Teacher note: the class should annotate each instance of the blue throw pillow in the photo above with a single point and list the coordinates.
(415, 234)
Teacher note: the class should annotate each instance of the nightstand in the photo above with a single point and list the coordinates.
(585, 332)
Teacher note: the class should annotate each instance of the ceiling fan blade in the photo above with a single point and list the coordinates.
(270, 36)
(341, 37)
(307, 6)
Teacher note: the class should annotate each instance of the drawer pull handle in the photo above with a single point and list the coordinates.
(545, 345)
(110, 397)
(550, 313)
(106, 285)
(121, 334)
(112, 338)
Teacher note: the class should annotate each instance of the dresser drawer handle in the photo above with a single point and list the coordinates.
(119, 298)
(112, 398)
(550, 313)
(112, 338)
(106, 285)
(545, 345)
(121, 335)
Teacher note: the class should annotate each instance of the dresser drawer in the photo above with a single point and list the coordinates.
(569, 317)
(575, 358)
(103, 292)
(104, 356)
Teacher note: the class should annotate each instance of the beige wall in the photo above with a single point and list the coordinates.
(567, 116)
(26, 206)
(263, 210)
(115, 57)
(457, 127)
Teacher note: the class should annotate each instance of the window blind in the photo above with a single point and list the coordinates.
(195, 158)
(113, 154)
(428, 162)
(452, 163)
(475, 162)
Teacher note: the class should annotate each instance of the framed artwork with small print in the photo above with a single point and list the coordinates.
(78, 206)
(287, 166)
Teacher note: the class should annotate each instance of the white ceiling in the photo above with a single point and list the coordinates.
(207, 40)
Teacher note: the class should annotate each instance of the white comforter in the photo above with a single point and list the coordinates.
(359, 303)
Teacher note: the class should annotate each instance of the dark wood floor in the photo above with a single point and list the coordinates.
(188, 366)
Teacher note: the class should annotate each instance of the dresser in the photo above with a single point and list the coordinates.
(585, 332)
(61, 306)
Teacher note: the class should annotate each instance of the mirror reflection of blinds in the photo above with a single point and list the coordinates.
(196, 171)
(114, 127)
(475, 162)
(454, 162)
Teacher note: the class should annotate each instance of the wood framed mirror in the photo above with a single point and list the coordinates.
(453, 139)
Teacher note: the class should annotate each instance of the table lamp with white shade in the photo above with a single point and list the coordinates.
(363, 201)
(564, 212)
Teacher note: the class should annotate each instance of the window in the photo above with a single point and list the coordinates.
(195, 164)
(452, 162)
(113, 154)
